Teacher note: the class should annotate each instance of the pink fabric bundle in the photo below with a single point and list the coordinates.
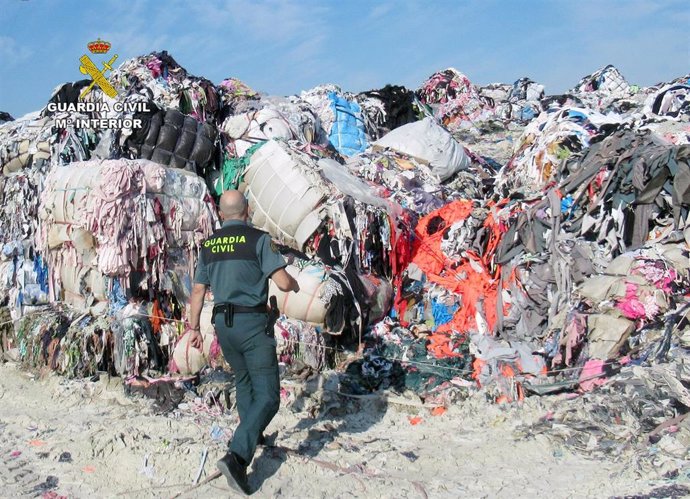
(154, 66)
(637, 304)
(115, 217)
(573, 336)
(592, 375)
(660, 276)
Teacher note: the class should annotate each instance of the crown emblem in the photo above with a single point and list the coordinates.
(98, 47)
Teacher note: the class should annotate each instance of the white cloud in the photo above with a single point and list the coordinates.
(11, 52)
(267, 21)
(379, 11)
(306, 51)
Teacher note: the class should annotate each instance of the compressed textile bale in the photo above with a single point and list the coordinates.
(304, 305)
(80, 283)
(179, 190)
(129, 214)
(428, 141)
(607, 334)
(601, 287)
(172, 139)
(190, 360)
(249, 128)
(23, 142)
(285, 194)
(67, 192)
(347, 133)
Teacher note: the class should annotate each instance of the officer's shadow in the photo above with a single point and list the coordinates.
(337, 408)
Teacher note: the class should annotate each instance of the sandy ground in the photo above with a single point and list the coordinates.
(88, 439)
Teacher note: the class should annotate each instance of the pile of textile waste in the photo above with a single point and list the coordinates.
(451, 238)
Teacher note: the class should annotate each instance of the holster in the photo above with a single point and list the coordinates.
(273, 315)
(228, 311)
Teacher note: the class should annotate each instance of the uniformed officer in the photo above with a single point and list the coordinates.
(237, 261)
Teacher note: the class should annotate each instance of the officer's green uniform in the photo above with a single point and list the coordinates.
(236, 261)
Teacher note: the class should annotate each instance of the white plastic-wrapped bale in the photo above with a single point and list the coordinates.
(249, 128)
(286, 194)
(190, 360)
(428, 141)
(305, 305)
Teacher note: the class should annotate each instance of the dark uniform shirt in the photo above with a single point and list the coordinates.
(236, 261)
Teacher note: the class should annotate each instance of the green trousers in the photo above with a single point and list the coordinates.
(252, 355)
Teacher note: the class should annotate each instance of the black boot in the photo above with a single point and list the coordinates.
(262, 440)
(267, 440)
(235, 472)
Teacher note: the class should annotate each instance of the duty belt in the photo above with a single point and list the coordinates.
(230, 309)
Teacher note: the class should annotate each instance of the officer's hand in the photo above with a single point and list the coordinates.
(196, 339)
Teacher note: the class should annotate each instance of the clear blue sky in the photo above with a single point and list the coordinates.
(284, 46)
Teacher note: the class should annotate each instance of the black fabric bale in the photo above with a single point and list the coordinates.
(154, 129)
(185, 142)
(161, 156)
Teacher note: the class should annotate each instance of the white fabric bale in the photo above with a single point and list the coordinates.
(67, 192)
(116, 211)
(285, 194)
(305, 305)
(81, 286)
(23, 140)
(428, 141)
(69, 195)
(190, 360)
(265, 124)
(68, 189)
(181, 190)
